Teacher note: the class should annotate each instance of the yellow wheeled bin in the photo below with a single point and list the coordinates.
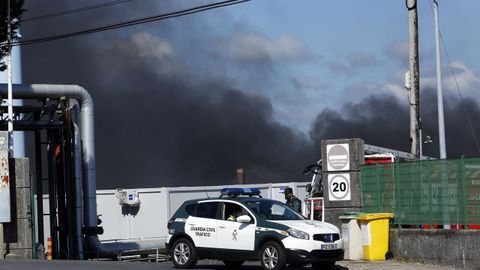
(375, 232)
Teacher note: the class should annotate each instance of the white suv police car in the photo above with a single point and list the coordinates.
(241, 226)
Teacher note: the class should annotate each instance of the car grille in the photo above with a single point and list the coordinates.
(326, 254)
(327, 238)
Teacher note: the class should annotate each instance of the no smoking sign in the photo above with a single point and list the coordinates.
(339, 187)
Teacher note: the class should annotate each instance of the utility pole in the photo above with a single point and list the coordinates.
(441, 121)
(10, 95)
(415, 78)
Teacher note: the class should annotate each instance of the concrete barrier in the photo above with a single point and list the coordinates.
(456, 248)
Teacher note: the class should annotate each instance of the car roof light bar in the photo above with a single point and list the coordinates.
(234, 192)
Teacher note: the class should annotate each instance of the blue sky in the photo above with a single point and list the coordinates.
(326, 53)
(214, 86)
(308, 55)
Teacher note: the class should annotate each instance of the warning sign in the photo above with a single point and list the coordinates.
(339, 187)
(338, 157)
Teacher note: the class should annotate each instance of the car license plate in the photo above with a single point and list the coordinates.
(329, 247)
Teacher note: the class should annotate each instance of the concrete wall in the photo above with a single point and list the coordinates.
(457, 248)
(17, 235)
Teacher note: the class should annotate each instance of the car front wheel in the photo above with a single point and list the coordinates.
(273, 256)
(183, 254)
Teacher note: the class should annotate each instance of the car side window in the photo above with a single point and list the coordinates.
(190, 209)
(233, 210)
(207, 210)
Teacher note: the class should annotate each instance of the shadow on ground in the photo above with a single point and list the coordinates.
(253, 266)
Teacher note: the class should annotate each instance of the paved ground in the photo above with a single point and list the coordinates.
(107, 265)
(390, 265)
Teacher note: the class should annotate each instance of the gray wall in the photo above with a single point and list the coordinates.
(457, 248)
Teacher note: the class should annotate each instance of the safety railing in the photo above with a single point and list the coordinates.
(315, 209)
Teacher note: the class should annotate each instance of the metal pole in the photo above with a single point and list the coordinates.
(312, 209)
(39, 184)
(421, 144)
(441, 122)
(414, 71)
(9, 81)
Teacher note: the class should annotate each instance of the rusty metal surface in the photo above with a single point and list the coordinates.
(5, 211)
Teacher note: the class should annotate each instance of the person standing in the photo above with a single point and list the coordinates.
(293, 201)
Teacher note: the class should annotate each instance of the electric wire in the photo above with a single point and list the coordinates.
(469, 120)
(77, 10)
(154, 18)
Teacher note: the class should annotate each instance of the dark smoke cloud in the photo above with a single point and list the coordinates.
(460, 133)
(164, 119)
(375, 119)
(384, 121)
(157, 122)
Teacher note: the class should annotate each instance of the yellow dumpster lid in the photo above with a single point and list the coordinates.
(373, 216)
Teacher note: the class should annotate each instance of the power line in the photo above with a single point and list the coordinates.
(461, 96)
(469, 120)
(160, 17)
(86, 8)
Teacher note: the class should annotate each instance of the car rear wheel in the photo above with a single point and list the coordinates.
(233, 264)
(273, 256)
(183, 254)
(323, 265)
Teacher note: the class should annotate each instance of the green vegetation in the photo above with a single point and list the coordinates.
(16, 11)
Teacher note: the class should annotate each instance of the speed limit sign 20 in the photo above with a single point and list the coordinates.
(339, 187)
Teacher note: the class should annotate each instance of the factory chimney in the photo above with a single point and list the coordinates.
(241, 176)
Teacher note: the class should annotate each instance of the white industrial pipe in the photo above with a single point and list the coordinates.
(39, 91)
(30, 91)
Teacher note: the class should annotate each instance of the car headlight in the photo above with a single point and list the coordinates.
(298, 234)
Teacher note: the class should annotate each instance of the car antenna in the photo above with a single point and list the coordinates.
(205, 188)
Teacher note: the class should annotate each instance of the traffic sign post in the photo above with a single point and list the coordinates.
(339, 187)
(341, 160)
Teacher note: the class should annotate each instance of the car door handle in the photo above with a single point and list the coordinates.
(191, 224)
(222, 227)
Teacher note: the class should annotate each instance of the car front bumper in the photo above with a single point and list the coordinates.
(314, 256)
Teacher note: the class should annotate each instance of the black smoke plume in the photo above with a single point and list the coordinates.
(157, 122)
(384, 121)
(162, 120)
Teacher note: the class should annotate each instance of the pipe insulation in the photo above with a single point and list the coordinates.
(78, 183)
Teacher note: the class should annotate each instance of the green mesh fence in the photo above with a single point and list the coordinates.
(426, 192)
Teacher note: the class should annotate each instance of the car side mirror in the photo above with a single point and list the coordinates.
(244, 219)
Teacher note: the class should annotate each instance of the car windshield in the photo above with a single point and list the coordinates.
(273, 210)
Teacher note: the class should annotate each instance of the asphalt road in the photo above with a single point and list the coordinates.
(207, 265)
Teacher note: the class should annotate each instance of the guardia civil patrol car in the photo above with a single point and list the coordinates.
(241, 226)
